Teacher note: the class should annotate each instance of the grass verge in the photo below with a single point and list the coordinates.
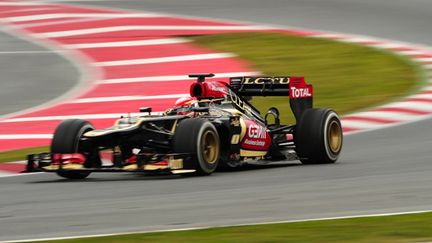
(346, 77)
(17, 155)
(401, 228)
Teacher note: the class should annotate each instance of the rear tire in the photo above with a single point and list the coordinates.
(66, 141)
(318, 137)
(200, 138)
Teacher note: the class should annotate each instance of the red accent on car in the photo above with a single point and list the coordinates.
(132, 159)
(75, 158)
(163, 162)
(256, 138)
(209, 89)
(299, 89)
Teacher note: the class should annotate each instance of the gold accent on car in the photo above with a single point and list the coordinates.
(235, 139)
(155, 167)
(51, 167)
(131, 167)
(65, 167)
(243, 128)
(175, 164)
(182, 171)
(252, 153)
(334, 136)
(234, 111)
(174, 126)
(210, 147)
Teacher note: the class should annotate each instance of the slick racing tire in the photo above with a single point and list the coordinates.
(199, 138)
(318, 137)
(66, 141)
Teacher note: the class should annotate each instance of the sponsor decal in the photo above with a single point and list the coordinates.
(266, 80)
(239, 103)
(256, 137)
(300, 92)
(254, 142)
(299, 89)
(256, 131)
(217, 88)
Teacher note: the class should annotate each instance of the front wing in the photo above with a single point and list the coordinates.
(145, 163)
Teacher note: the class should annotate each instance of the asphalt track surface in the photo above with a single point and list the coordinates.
(51, 75)
(387, 170)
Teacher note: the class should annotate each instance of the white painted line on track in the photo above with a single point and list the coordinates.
(329, 36)
(171, 78)
(30, 9)
(361, 124)
(64, 117)
(26, 52)
(68, 21)
(6, 174)
(127, 98)
(19, 174)
(128, 43)
(79, 15)
(427, 66)
(411, 52)
(20, 162)
(60, 1)
(68, 33)
(20, 3)
(388, 45)
(411, 105)
(164, 59)
(25, 136)
(425, 96)
(424, 59)
(359, 40)
(226, 225)
(390, 115)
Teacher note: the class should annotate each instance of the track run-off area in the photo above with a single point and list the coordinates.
(133, 58)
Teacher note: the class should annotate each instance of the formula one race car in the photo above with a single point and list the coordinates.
(215, 127)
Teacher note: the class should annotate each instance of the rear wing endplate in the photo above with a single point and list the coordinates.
(300, 93)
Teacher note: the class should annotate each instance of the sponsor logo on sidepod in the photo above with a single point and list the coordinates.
(256, 131)
(256, 137)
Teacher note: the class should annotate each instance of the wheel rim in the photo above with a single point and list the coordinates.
(210, 147)
(334, 136)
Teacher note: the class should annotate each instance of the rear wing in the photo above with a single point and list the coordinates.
(300, 93)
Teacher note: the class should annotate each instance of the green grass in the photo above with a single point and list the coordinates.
(17, 155)
(402, 228)
(346, 77)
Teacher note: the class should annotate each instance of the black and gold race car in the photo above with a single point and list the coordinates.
(215, 127)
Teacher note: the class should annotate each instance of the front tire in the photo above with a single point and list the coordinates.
(66, 141)
(199, 138)
(318, 137)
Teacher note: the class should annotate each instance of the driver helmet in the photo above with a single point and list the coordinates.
(186, 101)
